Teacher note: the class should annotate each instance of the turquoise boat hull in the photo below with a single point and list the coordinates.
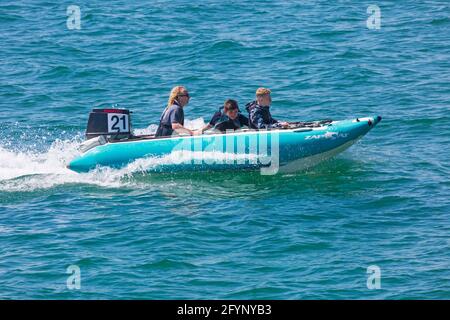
(272, 151)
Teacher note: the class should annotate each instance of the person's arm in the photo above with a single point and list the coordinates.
(207, 127)
(176, 118)
(272, 120)
(258, 121)
(178, 128)
(244, 120)
(277, 124)
(212, 122)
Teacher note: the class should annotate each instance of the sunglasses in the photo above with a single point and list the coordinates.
(184, 95)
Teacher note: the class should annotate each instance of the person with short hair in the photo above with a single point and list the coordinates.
(172, 118)
(259, 113)
(227, 118)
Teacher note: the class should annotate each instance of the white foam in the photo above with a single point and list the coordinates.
(31, 170)
(194, 124)
(17, 164)
(151, 129)
(28, 171)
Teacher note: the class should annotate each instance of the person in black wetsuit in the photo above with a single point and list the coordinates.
(259, 113)
(172, 118)
(227, 118)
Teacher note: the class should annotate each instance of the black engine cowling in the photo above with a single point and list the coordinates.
(114, 124)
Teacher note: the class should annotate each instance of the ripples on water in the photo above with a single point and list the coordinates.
(226, 235)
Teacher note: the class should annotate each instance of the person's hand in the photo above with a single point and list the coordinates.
(197, 132)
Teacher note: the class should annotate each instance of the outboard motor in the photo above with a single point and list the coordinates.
(112, 124)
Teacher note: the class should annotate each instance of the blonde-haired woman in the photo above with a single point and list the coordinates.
(172, 118)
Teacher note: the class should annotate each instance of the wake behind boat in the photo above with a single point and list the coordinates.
(110, 143)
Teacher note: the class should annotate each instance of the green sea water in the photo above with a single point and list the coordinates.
(230, 235)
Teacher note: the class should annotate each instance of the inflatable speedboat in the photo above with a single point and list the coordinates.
(110, 143)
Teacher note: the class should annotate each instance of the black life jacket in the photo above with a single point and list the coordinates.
(256, 111)
(250, 105)
(224, 120)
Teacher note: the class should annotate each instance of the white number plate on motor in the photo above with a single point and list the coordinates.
(118, 123)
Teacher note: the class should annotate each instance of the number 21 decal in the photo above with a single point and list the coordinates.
(117, 122)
